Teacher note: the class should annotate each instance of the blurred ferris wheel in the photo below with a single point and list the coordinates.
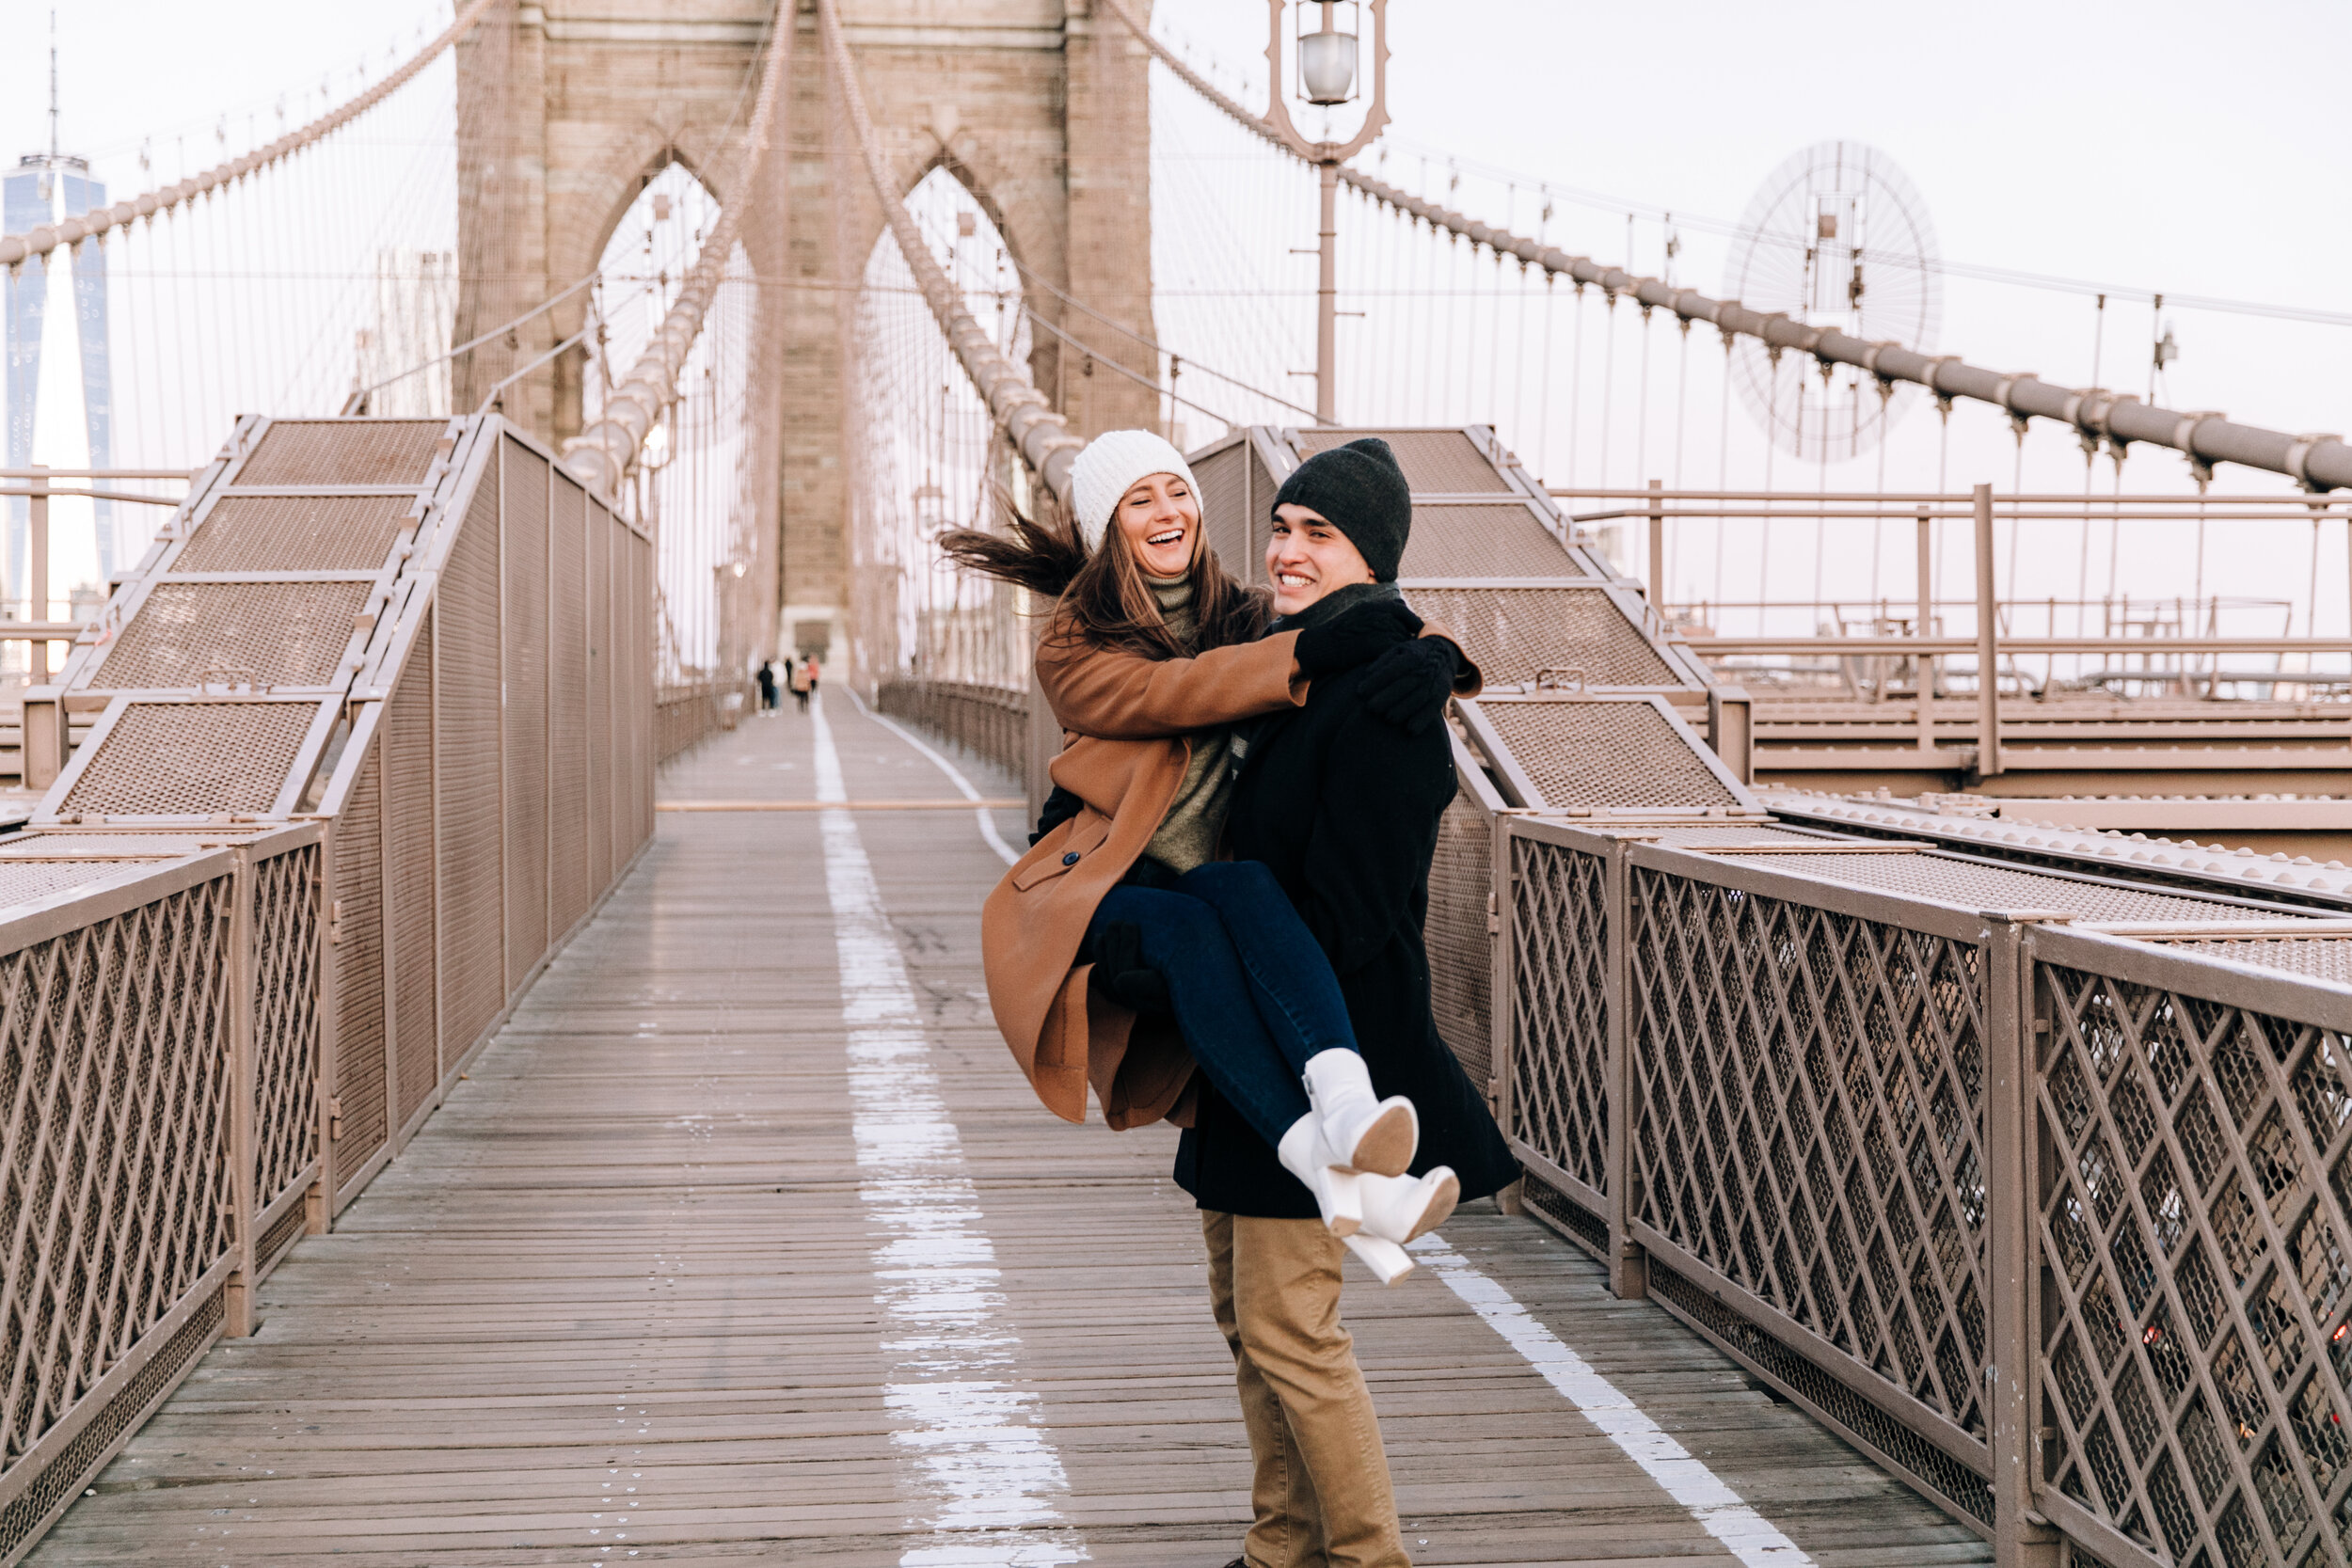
(1835, 236)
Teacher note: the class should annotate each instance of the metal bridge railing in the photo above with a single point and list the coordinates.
(2053, 1221)
(686, 716)
(160, 1041)
(992, 722)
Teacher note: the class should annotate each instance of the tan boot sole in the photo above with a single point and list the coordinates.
(1386, 1147)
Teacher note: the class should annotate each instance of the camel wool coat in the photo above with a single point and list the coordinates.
(1128, 717)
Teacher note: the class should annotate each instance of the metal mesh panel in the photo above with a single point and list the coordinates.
(1559, 1008)
(193, 759)
(2323, 959)
(34, 843)
(1674, 833)
(342, 451)
(27, 1513)
(1514, 634)
(1484, 542)
(1224, 505)
(408, 853)
(640, 665)
(525, 536)
(1461, 950)
(2197, 1269)
(1443, 461)
(294, 533)
(1851, 1414)
(358, 955)
(1567, 1215)
(1809, 1123)
(470, 870)
(1974, 885)
(24, 881)
(113, 1169)
(568, 709)
(604, 759)
(285, 1021)
(274, 633)
(1585, 753)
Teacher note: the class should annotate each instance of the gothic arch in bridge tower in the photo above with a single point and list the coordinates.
(1039, 105)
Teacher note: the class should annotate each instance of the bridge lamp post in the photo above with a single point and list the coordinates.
(1327, 59)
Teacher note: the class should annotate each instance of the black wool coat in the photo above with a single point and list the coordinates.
(1343, 807)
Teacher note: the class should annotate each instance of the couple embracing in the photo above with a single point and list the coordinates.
(1220, 921)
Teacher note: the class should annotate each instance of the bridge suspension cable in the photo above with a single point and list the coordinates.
(2316, 462)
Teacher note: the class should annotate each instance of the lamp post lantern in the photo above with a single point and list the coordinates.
(1326, 61)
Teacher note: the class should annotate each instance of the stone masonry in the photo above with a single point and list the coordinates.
(568, 107)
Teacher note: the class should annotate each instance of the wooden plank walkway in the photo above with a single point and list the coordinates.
(631, 1296)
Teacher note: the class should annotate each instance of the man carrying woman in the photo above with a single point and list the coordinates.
(1219, 922)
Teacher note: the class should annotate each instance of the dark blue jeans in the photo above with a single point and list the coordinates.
(1253, 993)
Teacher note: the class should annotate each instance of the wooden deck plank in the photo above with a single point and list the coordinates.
(632, 1250)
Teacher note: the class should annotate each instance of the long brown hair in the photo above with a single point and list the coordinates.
(1101, 598)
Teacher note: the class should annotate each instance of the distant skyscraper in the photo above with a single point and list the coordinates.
(59, 395)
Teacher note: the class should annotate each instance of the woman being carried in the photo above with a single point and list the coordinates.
(1122, 914)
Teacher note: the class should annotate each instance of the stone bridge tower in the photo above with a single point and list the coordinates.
(567, 108)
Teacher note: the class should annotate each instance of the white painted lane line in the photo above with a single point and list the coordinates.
(1719, 1510)
(981, 1462)
(955, 776)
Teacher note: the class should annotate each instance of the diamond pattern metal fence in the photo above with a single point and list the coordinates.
(2197, 1259)
(285, 1021)
(148, 1030)
(1558, 1099)
(1809, 1123)
(2054, 1223)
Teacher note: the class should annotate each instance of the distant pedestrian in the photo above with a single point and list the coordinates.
(767, 688)
(809, 663)
(802, 676)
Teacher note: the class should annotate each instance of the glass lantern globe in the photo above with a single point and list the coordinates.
(1326, 66)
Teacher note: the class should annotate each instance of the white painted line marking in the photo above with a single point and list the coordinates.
(955, 776)
(981, 1457)
(1719, 1510)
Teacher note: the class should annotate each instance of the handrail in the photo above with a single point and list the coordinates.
(2318, 462)
(44, 238)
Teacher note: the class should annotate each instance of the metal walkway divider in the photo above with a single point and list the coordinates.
(376, 736)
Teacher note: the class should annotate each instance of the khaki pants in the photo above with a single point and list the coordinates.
(1321, 1495)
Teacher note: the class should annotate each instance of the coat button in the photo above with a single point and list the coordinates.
(1071, 858)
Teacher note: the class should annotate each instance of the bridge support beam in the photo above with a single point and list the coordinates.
(2022, 1538)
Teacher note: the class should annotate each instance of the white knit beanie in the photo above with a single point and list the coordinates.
(1111, 463)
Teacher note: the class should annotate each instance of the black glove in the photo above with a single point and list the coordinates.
(1408, 686)
(1360, 634)
(1121, 974)
(1060, 806)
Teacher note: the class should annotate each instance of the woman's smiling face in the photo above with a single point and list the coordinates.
(1161, 520)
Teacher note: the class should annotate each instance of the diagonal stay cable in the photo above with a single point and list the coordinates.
(1190, 363)
(1136, 376)
(1039, 435)
(501, 329)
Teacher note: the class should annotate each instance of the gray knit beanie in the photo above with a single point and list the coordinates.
(1362, 492)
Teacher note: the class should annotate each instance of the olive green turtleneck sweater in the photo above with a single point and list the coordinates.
(1189, 835)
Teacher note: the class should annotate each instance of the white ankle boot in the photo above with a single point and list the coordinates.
(1339, 1192)
(1386, 1260)
(1363, 1131)
(1400, 1209)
